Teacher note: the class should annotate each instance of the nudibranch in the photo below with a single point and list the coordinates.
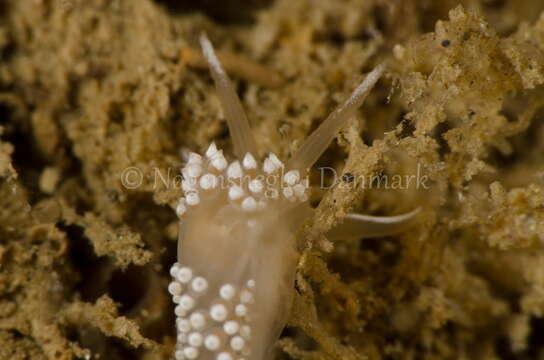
(233, 280)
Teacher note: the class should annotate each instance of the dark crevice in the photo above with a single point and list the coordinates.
(380, 16)
(27, 158)
(494, 4)
(7, 52)
(525, 145)
(430, 12)
(228, 12)
(440, 130)
(301, 339)
(128, 286)
(92, 282)
(6, 113)
(503, 349)
(536, 340)
(124, 351)
(407, 127)
(4, 14)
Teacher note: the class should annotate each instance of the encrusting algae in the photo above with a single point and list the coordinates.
(98, 98)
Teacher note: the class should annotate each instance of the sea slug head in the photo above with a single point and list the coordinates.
(236, 251)
(244, 194)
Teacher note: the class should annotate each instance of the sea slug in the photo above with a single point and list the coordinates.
(234, 276)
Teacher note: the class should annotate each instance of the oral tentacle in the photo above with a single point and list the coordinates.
(359, 226)
(321, 138)
(240, 132)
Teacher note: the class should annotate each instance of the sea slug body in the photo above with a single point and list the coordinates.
(234, 276)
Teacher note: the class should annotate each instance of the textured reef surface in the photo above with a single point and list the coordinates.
(100, 98)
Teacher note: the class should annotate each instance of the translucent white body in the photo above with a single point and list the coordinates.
(257, 260)
(233, 281)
